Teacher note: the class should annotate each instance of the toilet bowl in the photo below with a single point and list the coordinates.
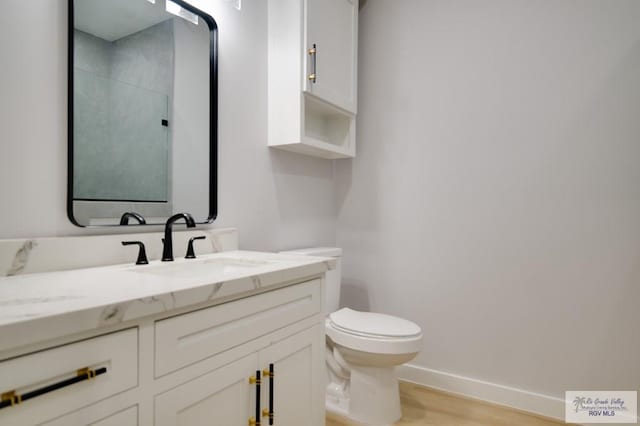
(362, 351)
(367, 347)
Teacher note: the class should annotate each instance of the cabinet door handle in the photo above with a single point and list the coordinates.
(255, 380)
(269, 412)
(9, 399)
(313, 53)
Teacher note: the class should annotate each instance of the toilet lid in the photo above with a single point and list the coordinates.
(373, 324)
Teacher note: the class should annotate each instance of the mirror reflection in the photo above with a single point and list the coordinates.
(142, 124)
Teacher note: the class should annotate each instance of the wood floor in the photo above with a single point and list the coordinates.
(424, 406)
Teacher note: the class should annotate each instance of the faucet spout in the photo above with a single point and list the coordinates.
(124, 219)
(167, 251)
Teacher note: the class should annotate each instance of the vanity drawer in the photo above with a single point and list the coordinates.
(59, 378)
(192, 337)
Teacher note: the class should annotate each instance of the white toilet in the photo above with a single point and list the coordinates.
(363, 349)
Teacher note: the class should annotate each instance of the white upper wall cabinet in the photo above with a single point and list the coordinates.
(331, 37)
(312, 80)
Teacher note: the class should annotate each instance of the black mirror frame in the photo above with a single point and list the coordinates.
(213, 111)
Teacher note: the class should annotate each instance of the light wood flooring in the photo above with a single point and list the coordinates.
(424, 406)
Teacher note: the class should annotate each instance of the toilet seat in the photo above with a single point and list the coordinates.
(371, 324)
(373, 332)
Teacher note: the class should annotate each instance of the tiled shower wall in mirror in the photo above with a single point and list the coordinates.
(123, 92)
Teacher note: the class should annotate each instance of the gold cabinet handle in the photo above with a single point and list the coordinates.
(313, 54)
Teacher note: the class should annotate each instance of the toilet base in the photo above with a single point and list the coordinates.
(374, 397)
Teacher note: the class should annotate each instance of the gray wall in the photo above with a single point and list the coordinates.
(495, 198)
(277, 200)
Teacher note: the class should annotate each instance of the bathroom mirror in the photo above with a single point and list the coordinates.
(142, 112)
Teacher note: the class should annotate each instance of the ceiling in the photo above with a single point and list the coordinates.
(113, 19)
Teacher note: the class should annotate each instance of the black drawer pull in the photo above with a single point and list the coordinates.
(10, 399)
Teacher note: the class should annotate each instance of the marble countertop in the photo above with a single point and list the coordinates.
(43, 306)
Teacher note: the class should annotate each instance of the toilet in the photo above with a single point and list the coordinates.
(362, 351)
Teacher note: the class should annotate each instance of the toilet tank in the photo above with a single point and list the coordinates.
(332, 284)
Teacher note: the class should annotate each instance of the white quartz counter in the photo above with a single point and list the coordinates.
(43, 306)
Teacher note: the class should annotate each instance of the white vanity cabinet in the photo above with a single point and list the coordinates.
(188, 368)
(227, 396)
(230, 390)
(312, 76)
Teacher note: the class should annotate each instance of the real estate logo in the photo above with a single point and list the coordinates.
(601, 407)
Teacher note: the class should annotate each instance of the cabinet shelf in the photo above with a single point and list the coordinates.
(326, 131)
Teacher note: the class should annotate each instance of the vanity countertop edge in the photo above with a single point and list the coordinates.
(49, 305)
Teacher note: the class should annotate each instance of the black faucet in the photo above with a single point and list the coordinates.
(142, 253)
(124, 219)
(167, 251)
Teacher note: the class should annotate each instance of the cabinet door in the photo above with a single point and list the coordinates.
(221, 397)
(332, 26)
(299, 379)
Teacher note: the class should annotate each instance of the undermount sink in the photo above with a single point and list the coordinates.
(206, 267)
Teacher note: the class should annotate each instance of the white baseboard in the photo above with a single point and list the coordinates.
(532, 402)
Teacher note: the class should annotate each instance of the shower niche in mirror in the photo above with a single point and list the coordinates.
(142, 112)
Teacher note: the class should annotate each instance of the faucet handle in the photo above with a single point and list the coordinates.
(190, 252)
(142, 253)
